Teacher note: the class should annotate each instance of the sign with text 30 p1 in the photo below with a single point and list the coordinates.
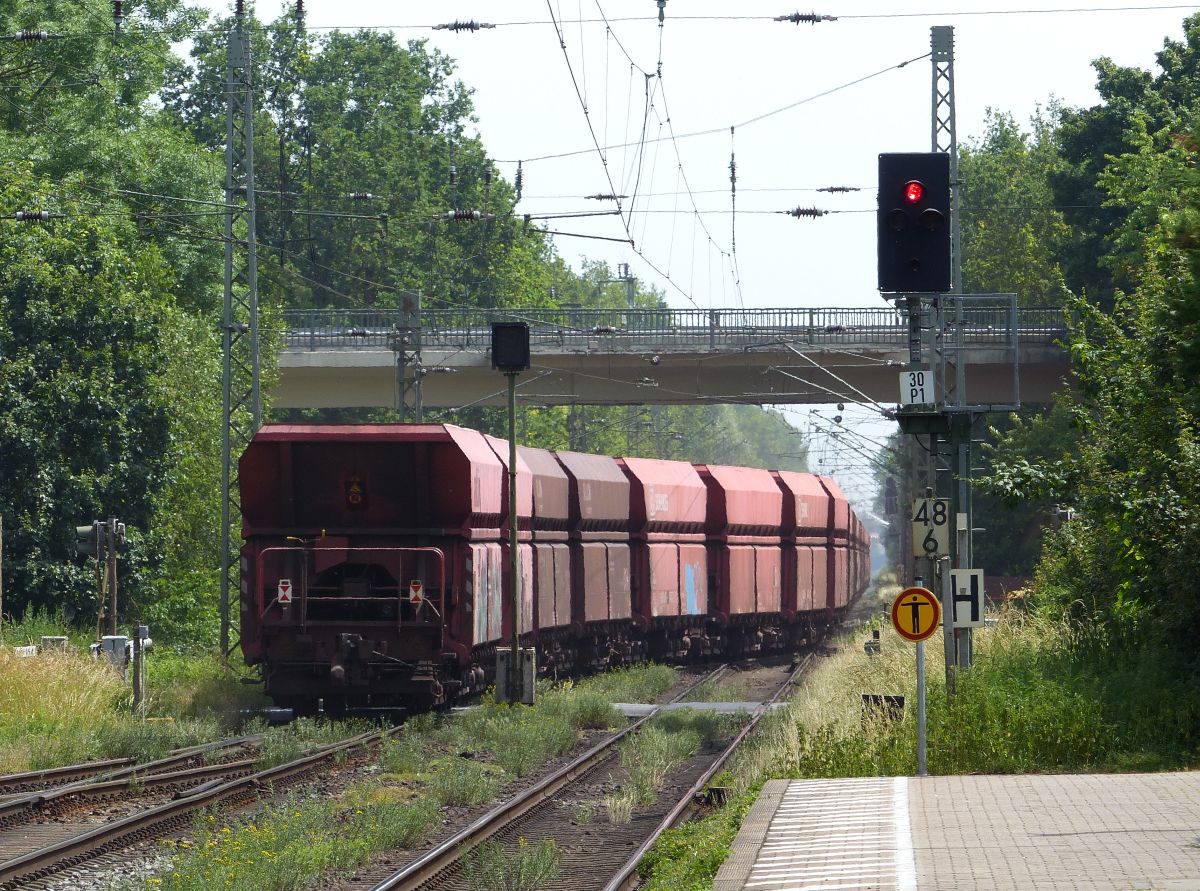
(931, 527)
(916, 388)
(967, 597)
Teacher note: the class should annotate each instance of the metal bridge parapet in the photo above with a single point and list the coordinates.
(661, 330)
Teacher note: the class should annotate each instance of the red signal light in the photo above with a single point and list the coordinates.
(913, 191)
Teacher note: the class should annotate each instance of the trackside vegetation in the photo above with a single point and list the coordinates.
(1044, 695)
(437, 762)
(63, 707)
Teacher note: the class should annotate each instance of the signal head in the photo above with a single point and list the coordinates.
(914, 191)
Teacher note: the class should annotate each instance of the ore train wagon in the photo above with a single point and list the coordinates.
(374, 566)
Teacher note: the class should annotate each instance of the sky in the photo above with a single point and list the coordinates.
(812, 106)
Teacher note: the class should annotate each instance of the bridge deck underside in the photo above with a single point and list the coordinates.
(772, 374)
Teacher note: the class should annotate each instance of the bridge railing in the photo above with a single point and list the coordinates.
(571, 329)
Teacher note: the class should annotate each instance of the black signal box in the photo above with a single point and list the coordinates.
(510, 346)
(914, 223)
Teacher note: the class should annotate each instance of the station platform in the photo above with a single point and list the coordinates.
(1082, 832)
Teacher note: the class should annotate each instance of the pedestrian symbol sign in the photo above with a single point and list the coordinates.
(415, 591)
(916, 614)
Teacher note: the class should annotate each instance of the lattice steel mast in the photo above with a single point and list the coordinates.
(242, 394)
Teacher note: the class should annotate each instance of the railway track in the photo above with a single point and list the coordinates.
(79, 775)
(34, 855)
(596, 855)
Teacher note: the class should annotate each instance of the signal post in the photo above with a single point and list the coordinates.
(510, 354)
(920, 268)
(915, 616)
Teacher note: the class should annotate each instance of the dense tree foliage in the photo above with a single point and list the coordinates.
(102, 405)
(1122, 447)
(1012, 234)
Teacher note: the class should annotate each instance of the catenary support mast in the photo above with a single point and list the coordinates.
(242, 395)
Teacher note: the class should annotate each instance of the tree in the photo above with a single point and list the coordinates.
(1012, 234)
(1134, 104)
(351, 115)
(85, 429)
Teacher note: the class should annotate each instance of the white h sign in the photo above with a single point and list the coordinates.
(967, 597)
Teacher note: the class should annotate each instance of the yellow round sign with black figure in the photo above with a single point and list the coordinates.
(916, 614)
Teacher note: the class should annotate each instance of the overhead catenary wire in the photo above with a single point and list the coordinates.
(186, 33)
(714, 131)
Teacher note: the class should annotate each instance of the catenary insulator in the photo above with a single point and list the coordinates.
(360, 196)
(462, 26)
(29, 36)
(807, 18)
(31, 216)
(462, 215)
(520, 179)
(812, 212)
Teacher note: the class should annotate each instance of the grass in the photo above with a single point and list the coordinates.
(659, 748)
(722, 689)
(289, 847)
(492, 867)
(641, 683)
(63, 707)
(291, 741)
(463, 783)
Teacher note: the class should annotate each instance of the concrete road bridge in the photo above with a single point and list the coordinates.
(352, 358)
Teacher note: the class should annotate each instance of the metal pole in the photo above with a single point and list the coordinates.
(922, 768)
(138, 694)
(947, 596)
(963, 536)
(112, 575)
(514, 666)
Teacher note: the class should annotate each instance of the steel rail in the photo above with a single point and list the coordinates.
(113, 768)
(434, 861)
(153, 821)
(627, 877)
(105, 788)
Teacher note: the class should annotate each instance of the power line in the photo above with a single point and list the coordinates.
(712, 131)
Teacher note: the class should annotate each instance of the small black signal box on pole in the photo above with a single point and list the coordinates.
(510, 346)
(914, 223)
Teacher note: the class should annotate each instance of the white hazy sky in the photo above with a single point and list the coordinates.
(718, 73)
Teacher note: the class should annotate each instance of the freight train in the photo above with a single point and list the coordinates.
(375, 564)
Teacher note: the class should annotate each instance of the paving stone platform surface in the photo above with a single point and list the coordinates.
(1079, 832)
